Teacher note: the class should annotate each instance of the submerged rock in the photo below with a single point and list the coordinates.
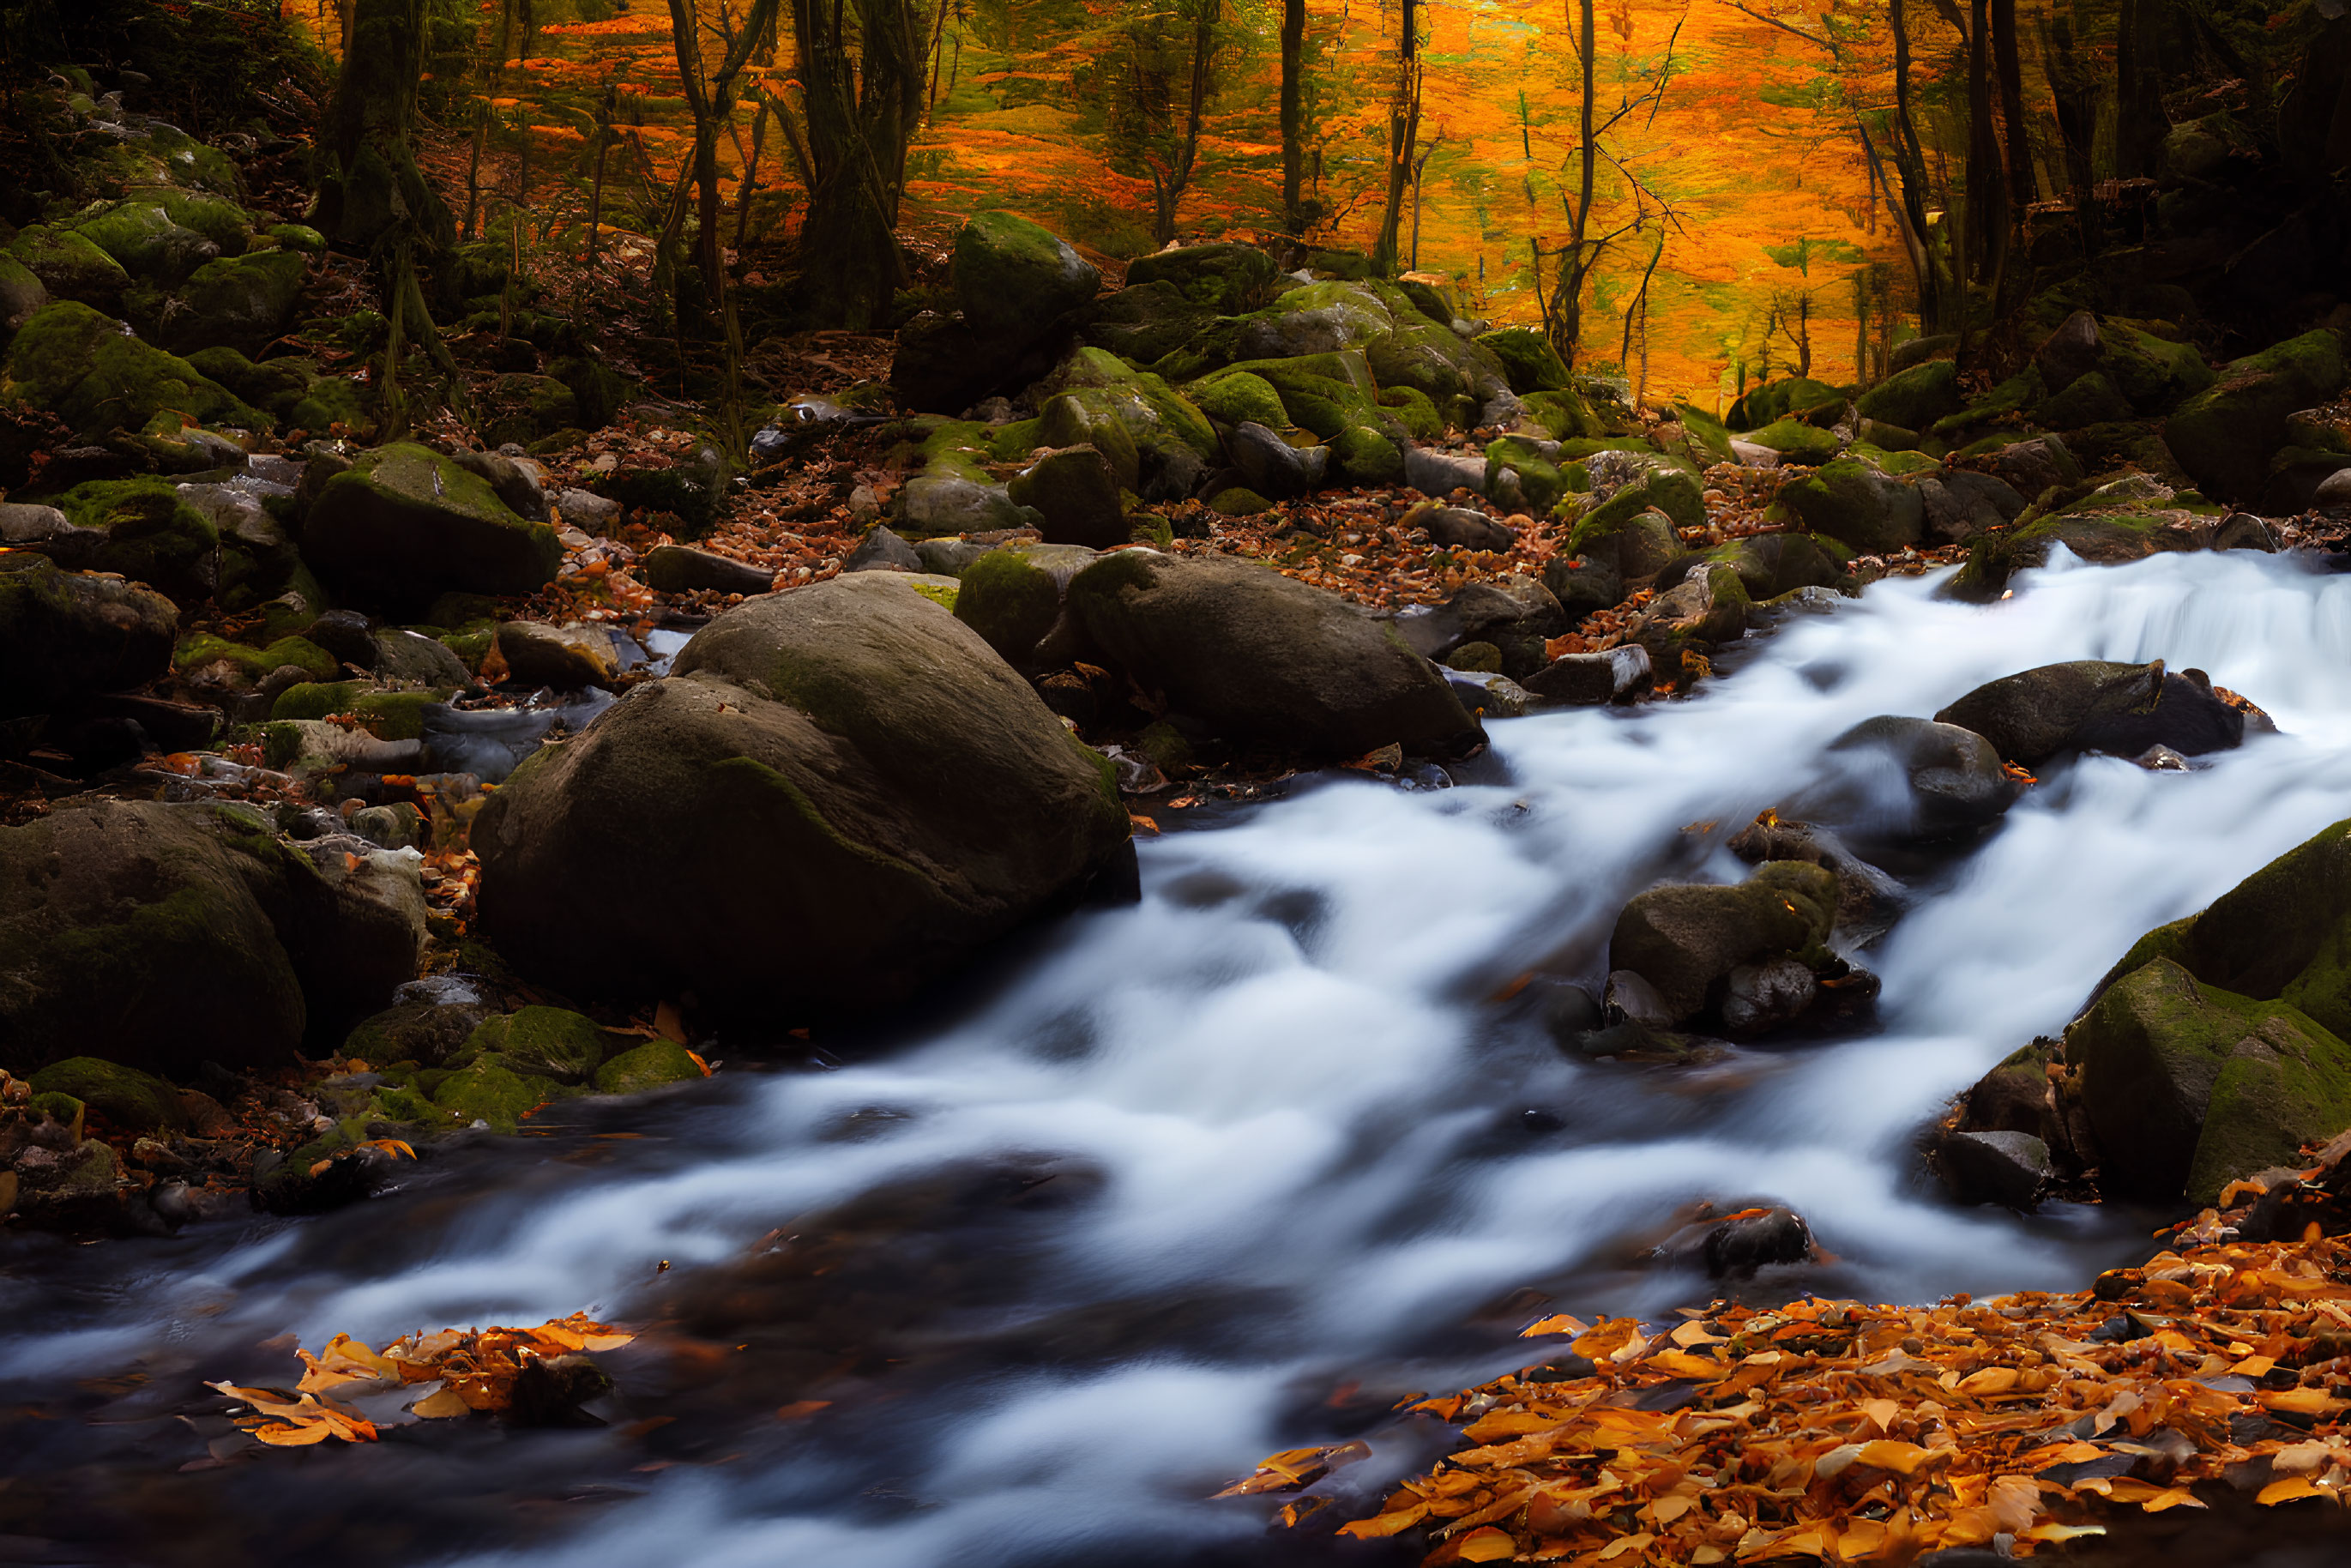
(1912, 779)
(846, 790)
(1687, 941)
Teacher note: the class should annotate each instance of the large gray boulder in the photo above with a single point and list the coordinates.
(64, 635)
(2093, 705)
(842, 790)
(1013, 279)
(1262, 657)
(163, 937)
(404, 525)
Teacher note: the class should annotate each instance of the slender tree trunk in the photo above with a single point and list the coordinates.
(1910, 162)
(604, 113)
(1575, 266)
(1986, 203)
(862, 107)
(2139, 109)
(1168, 189)
(1293, 117)
(1404, 132)
(2023, 185)
(711, 102)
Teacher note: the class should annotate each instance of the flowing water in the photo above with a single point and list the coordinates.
(1230, 1170)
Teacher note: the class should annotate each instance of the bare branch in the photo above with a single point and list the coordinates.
(1817, 42)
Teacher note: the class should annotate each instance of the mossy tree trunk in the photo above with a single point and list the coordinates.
(1293, 114)
(861, 72)
(371, 187)
(1404, 133)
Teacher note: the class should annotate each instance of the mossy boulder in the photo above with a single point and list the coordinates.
(1145, 322)
(2020, 391)
(2086, 400)
(1261, 657)
(162, 937)
(198, 653)
(1850, 502)
(1797, 397)
(656, 1064)
(1563, 413)
(404, 525)
(1458, 376)
(2153, 372)
(1101, 397)
(850, 792)
(92, 373)
(1239, 398)
(540, 1042)
(64, 635)
(1225, 280)
(274, 386)
(386, 714)
(1012, 599)
(70, 266)
(336, 405)
(133, 1100)
(1074, 490)
(1362, 455)
(1013, 279)
(1686, 941)
(1916, 398)
(1798, 443)
(2090, 705)
(143, 238)
(2188, 1085)
(491, 1092)
(1239, 501)
(1527, 357)
(2225, 435)
(242, 303)
(523, 408)
(151, 535)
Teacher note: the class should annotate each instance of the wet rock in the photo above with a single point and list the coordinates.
(1755, 1239)
(491, 743)
(96, 375)
(561, 658)
(2225, 435)
(540, 1042)
(162, 937)
(1850, 502)
(1685, 941)
(413, 659)
(1960, 504)
(1440, 474)
(1757, 998)
(2091, 705)
(1910, 778)
(1868, 900)
(681, 569)
(1459, 527)
(133, 1100)
(64, 637)
(1013, 279)
(347, 634)
(2334, 492)
(1013, 598)
(2006, 1168)
(1490, 694)
(1262, 657)
(1619, 675)
(1076, 494)
(426, 1024)
(849, 791)
(404, 525)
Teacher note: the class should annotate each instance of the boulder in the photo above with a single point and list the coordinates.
(2093, 705)
(2006, 1168)
(564, 658)
(1797, 397)
(1912, 779)
(133, 1100)
(1514, 611)
(1855, 504)
(69, 267)
(1459, 527)
(2188, 1085)
(91, 371)
(147, 531)
(1012, 597)
(1241, 397)
(1075, 492)
(162, 936)
(1227, 279)
(1528, 358)
(2225, 435)
(149, 243)
(1584, 680)
(1916, 398)
(413, 659)
(521, 484)
(404, 525)
(1275, 468)
(1158, 444)
(1262, 657)
(1686, 941)
(680, 569)
(2089, 400)
(21, 295)
(1795, 442)
(65, 636)
(882, 551)
(241, 303)
(850, 792)
(1438, 474)
(1013, 279)
(2068, 353)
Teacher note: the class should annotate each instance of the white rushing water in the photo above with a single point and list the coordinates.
(1285, 1062)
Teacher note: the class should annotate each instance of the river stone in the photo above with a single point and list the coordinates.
(133, 1100)
(2006, 1168)
(653, 1065)
(162, 936)
(520, 482)
(1013, 279)
(1459, 527)
(69, 266)
(681, 569)
(64, 635)
(564, 658)
(2091, 705)
(1227, 279)
(1854, 504)
(2334, 492)
(413, 659)
(2190, 1086)
(1686, 940)
(846, 792)
(404, 525)
(1012, 597)
(548, 1043)
(1262, 657)
(1914, 779)
(1584, 680)
(241, 303)
(2067, 354)
(1273, 467)
(1075, 492)
(1742, 1244)
(2225, 435)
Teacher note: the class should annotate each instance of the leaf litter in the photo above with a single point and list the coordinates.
(454, 1372)
(1847, 1433)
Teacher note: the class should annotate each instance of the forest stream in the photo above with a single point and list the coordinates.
(1233, 1169)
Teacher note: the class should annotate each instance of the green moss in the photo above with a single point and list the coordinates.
(298, 237)
(945, 595)
(387, 715)
(1013, 443)
(1010, 602)
(650, 1066)
(57, 1106)
(1237, 501)
(203, 648)
(1916, 398)
(540, 1042)
(1541, 482)
(70, 266)
(82, 365)
(1363, 455)
(1797, 441)
(1797, 397)
(2014, 395)
(1414, 409)
(491, 1091)
(151, 535)
(1528, 358)
(133, 1100)
(1245, 398)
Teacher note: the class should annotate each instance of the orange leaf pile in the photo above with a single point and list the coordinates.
(469, 1369)
(1871, 1434)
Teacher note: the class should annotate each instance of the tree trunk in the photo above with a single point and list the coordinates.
(372, 188)
(1404, 132)
(1987, 205)
(1910, 165)
(860, 110)
(2139, 109)
(1293, 117)
(1566, 324)
(2023, 187)
(1168, 189)
(2073, 93)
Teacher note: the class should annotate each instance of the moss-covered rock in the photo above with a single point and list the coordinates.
(2188, 1085)
(336, 405)
(70, 266)
(64, 634)
(241, 303)
(523, 408)
(2152, 371)
(94, 375)
(1011, 601)
(133, 1100)
(151, 535)
(1535, 481)
(201, 651)
(274, 386)
(1916, 398)
(1172, 442)
(1242, 398)
(1075, 491)
(1458, 376)
(1850, 502)
(656, 1064)
(1411, 408)
(404, 525)
(1013, 279)
(2086, 400)
(1528, 358)
(2019, 392)
(1686, 941)
(387, 715)
(851, 788)
(1633, 531)
(1225, 280)
(1797, 397)
(1239, 501)
(2090, 705)
(298, 237)
(2225, 435)
(1797, 441)
(491, 1092)
(143, 237)
(539, 1041)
